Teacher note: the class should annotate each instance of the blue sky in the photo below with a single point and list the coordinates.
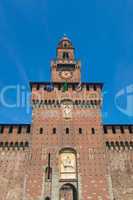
(101, 32)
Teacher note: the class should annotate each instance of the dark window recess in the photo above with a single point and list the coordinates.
(122, 129)
(16, 144)
(112, 144)
(54, 130)
(26, 144)
(38, 87)
(93, 131)
(28, 129)
(2, 129)
(11, 144)
(67, 130)
(65, 55)
(19, 129)
(113, 130)
(108, 144)
(87, 87)
(80, 130)
(95, 87)
(41, 130)
(105, 130)
(21, 144)
(130, 129)
(10, 129)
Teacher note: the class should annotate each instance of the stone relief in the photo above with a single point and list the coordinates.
(67, 165)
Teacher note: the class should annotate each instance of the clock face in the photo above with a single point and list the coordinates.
(66, 74)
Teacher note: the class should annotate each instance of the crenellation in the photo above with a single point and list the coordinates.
(13, 129)
(13, 145)
(119, 145)
(117, 129)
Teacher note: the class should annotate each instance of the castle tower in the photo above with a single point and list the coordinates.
(66, 153)
(65, 67)
(72, 138)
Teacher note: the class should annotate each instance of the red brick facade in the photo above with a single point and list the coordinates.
(66, 153)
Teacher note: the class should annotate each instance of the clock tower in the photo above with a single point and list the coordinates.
(65, 68)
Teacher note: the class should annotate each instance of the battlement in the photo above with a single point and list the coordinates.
(14, 145)
(119, 145)
(117, 129)
(51, 103)
(73, 86)
(14, 129)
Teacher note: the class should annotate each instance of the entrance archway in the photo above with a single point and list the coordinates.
(68, 192)
(47, 198)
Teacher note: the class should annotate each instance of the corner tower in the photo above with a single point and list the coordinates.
(65, 68)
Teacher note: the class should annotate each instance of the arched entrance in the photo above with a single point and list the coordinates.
(47, 198)
(68, 192)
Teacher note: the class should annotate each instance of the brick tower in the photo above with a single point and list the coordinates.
(66, 153)
(68, 116)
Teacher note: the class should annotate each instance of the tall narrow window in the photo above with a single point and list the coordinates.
(80, 130)
(41, 130)
(130, 129)
(113, 129)
(122, 129)
(28, 129)
(105, 130)
(67, 130)
(54, 130)
(26, 144)
(93, 131)
(19, 129)
(65, 56)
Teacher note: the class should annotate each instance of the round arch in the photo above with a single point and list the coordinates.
(68, 149)
(68, 191)
(47, 198)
